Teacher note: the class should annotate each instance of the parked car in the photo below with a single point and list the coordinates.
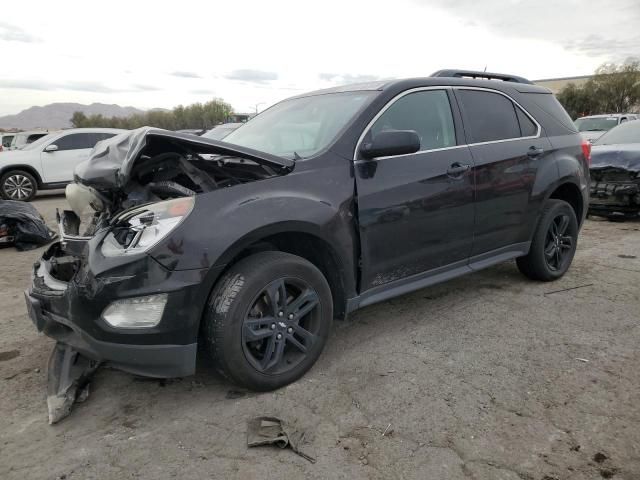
(21, 139)
(47, 162)
(594, 126)
(615, 173)
(322, 204)
(220, 131)
(5, 141)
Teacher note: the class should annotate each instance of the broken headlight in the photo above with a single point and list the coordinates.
(138, 230)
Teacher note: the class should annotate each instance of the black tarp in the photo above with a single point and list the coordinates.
(22, 226)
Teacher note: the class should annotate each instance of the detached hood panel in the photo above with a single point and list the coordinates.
(111, 161)
(625, 157)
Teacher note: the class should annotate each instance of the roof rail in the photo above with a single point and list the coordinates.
(480, 75)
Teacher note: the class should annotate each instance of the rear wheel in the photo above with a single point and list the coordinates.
(554, 243)
(268, 320)
(18, 185)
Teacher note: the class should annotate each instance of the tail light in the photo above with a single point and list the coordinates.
(586, 151)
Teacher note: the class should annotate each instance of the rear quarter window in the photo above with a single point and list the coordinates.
(550, 105)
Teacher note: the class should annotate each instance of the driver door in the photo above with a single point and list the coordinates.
(416, 211)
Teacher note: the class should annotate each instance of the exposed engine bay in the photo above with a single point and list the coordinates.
(147, 166)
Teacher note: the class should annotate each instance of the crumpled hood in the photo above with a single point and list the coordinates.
(626, 157)
(110, 163)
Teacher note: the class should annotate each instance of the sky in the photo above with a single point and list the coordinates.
(253, 53)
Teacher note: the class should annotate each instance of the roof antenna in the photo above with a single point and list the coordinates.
(485, 69)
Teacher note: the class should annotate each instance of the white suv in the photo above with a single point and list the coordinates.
(48, 162)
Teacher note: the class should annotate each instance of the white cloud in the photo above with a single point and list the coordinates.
(149, 54)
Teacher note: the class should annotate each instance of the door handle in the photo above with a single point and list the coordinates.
(457, 169)
(534, 152)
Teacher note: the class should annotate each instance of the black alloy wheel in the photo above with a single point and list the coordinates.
(553, 244)
(281, 326)
(559, 244)
(267, 320)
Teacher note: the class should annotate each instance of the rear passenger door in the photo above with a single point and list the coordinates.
(416, 210)
(58, 166)
(507, 146)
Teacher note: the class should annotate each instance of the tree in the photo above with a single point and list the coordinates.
(198, 115)
(618, 86)
(78, 120)
(612, 89)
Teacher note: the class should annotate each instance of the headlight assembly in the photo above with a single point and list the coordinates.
(140, 229)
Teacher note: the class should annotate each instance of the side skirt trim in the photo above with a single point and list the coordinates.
(437, 275)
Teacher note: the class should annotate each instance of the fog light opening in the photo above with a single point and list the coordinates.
(136, 312)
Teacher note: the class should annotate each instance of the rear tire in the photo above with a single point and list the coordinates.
(554, 243)
(268, 319)
(18, 185)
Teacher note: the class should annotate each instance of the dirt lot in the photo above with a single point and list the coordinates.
(490, 376)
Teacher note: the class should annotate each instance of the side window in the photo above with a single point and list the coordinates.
(527, 127)
(490, 116)
(35, 136)
(427, 112)
(73, 141)
(6, 140)
(76, 141)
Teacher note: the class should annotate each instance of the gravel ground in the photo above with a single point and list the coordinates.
(489, 376)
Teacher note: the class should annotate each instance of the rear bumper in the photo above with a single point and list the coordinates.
(70, 312)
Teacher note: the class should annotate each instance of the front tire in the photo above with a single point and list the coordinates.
(267, 320)
(18, 185)
(554, 243)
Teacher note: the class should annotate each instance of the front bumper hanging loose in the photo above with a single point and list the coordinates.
(67, 307)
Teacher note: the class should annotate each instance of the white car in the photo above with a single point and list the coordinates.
(20, 139)
(593, 127)
(48, 162)
(5, 141)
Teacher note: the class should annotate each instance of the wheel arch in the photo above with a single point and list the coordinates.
(570, 193)
(26, 168)
(305, 240)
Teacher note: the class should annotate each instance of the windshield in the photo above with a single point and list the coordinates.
(300, 127)
(218, 133)
(38, 143)
(600, 124)
(628, 132)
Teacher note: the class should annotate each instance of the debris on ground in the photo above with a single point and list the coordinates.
(68, 378)
(273, 431)
(22, 226)
(569, 289)
(235, 394)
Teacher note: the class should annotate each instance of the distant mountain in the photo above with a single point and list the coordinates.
(58, 115)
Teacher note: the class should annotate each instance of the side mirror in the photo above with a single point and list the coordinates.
(51, 148)
(391, 142)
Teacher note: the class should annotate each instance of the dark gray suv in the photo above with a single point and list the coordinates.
(322, 204)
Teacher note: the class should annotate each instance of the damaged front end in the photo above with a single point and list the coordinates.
(101, 292)
(150, 165)
(615, 182)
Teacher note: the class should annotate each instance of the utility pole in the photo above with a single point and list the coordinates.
(255, 107)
